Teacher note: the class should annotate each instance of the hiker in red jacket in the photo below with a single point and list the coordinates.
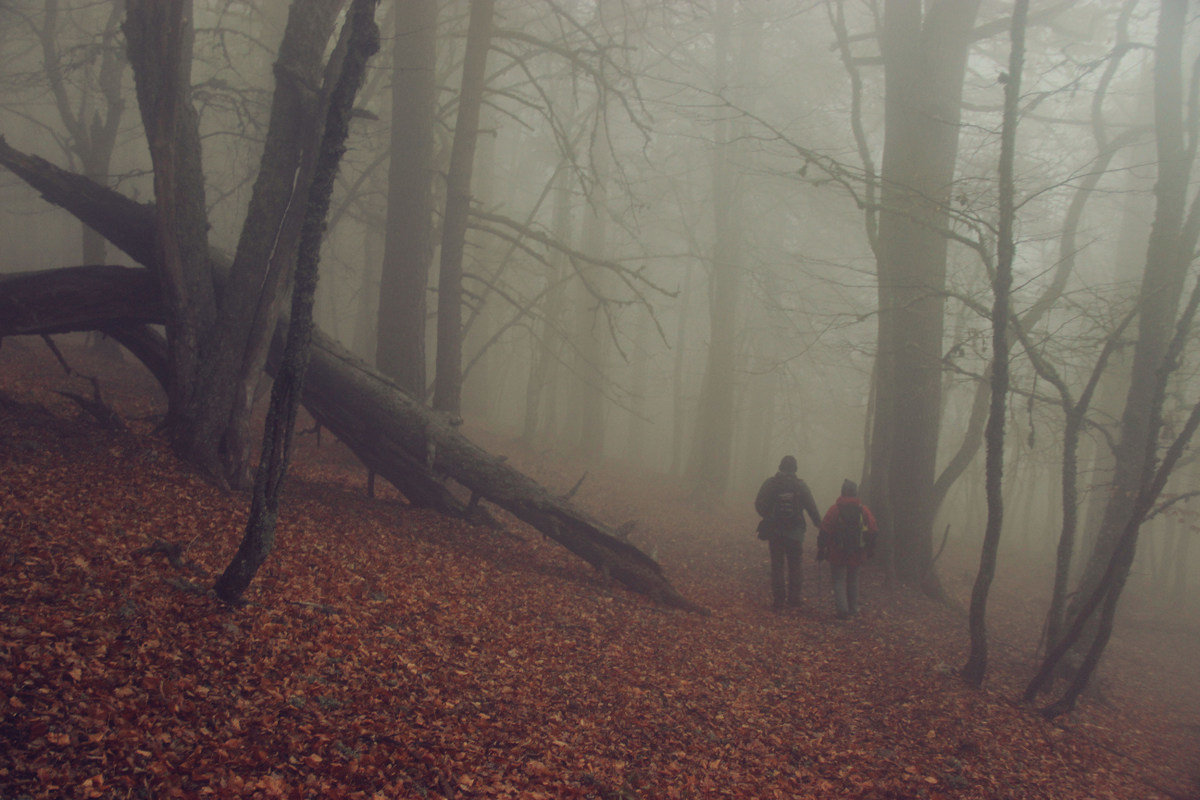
(847, 539)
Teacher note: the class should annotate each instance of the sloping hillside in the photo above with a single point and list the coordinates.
(388, 652)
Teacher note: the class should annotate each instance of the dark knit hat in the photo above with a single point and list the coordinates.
(787, 464)
(849, 488)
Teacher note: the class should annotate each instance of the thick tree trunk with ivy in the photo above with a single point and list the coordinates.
(159, 38)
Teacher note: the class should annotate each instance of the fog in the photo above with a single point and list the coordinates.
(679, 214)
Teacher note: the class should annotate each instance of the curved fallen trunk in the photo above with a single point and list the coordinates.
(405, 442)
(381, 423)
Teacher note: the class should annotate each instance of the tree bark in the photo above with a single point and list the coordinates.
(360, 40)
(924, 56)
(447, 389)
(159, 37)
(976, 666)
(712, 451)
(76, 298)
(250, 299)
(220, 327)
(408, 244)
(387, 429)
(1167, 260)
(394, 434)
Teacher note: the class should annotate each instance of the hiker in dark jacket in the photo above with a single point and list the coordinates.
(782, 502)
(847, 539)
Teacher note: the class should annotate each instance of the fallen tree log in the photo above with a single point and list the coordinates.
(130, 226)
(402, 440)
(122, 301)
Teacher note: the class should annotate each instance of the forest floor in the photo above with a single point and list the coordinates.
(390, 653)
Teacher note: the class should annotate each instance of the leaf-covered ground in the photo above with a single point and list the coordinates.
(390, 653)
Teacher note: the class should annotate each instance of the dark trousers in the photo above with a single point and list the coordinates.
(785, 570)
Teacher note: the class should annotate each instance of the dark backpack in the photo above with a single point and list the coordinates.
(848, 533)
(786, 506)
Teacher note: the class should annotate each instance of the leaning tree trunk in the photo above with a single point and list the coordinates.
(386, 428)
(1107, 592)
(263, 263)
(393, 434)
(1168, 256)
(347, 68)
(220, 326)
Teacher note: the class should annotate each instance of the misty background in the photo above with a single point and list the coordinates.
(671, 261)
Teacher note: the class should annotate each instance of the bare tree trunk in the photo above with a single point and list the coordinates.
(92, 140)
(483, 376)
(678, 410)
(1107, 592)
(1076, 410)
(592, 329)
(547, 346)
(160, 48)
(1167, 260)
(102, 138)
(447, 386)
(393, 434)
(1172, 245)
(1181, 567)
(1075, 417)
(713, 438)
(264, 262)
(218, 340)
(924, 58)
(365, 334)
(973, 437)
(976, 666)
(347, 70)
(408, 247)
(639, 383)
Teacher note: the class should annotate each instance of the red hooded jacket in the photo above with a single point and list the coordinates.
(829, 526)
